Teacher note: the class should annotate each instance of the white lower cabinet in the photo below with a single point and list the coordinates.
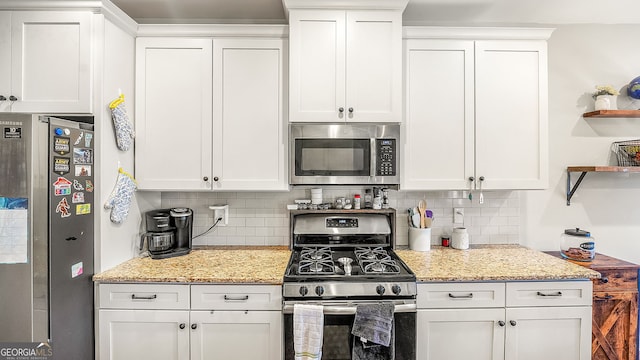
(504, 321)
(144, 321)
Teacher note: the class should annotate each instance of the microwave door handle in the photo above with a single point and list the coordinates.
(374, 157)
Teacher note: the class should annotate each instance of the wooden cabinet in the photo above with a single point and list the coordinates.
(346, 65)
(173, 114)
(194, 133)
(498, 321)
(249, 132)
(144, 321)
(481, 105)
(45, 64)
(615, 308)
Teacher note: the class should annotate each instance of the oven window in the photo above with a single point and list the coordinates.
(332, 157)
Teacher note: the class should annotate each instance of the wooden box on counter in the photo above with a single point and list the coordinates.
(615, 308)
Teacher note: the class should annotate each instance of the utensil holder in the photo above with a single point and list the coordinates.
(419, 239)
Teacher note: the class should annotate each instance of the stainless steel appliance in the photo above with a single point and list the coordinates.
(169, 232)
(46, 233)
(319, 272)
(344, 154)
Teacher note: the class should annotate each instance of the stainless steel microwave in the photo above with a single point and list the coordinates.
(344, 154)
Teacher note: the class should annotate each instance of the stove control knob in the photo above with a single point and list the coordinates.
(380, 289)
(303, 290)
(319, 290)
(396, 289)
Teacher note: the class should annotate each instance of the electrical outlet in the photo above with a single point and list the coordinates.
(458, 215)
(220, 211)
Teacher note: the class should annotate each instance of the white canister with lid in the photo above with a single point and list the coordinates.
(577, 244)
(460, 238)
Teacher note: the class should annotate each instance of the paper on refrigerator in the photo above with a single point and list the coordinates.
(14, 225)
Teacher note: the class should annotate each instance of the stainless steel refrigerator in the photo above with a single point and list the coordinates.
(47, 166)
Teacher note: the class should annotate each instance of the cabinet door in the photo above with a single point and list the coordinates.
(51, 68)
(143, 334)
(615, 324)
(439, 132)
(317, 65)
(460, 334)
(249, 123)
(511, 114)
(374, 66)
(236, 335)
(548, 333)
(5, 59)
(173, 113)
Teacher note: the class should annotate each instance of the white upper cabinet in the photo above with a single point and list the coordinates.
(173, 114)
(345, 65)
(476, 114)
(46, 61)
(250, 136)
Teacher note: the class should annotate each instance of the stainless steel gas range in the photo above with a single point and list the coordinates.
(341, 259)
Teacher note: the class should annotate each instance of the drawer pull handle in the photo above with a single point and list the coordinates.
(468, 296)
(556, 294)
(241, 298)
(150, 297)
(603, 298)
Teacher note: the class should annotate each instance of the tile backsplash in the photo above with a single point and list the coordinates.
(262, 218)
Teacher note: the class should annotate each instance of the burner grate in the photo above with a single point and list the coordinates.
(316, 260)
(376, 261)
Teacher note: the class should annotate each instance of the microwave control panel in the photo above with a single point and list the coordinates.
(386, 161)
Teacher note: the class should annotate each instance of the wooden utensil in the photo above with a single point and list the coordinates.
(422, 207)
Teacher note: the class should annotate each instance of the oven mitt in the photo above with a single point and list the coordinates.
(119, 201)
(121, 124)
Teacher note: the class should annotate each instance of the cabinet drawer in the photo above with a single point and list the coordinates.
(462, 295)
(616, 280)
(553, 293)
(143, 296)
(236, 297)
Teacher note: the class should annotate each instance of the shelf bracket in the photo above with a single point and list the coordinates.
(572, 190)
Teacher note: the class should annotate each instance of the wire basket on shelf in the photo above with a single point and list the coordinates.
(627, 152)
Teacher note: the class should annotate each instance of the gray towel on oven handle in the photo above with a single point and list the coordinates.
(371, 351)
(373, 322)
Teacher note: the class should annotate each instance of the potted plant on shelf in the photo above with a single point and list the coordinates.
(605, 97)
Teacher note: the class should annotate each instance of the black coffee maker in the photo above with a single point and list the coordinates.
(169, 232)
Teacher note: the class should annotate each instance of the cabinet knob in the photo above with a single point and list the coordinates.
(341, 110)
(481, 178)
(501, 323)
(512, 322)
(604, 280)
(182, 326)
(350, 110)
(215, 178)
(471, 178)
(13, 98)
(194, 326)
(206, 178)
(2, 98)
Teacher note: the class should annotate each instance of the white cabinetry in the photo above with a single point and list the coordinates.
(249, 133)
(481, 106)
(173, 113)
(222, 322)
(45, 61)
(194, 133)
(497, 321)
(346, 65)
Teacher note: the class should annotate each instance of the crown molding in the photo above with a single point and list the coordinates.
(476, 33)
(398, 5)
(213, 30)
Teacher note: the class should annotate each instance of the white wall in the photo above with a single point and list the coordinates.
(114, 72)
(581, 57)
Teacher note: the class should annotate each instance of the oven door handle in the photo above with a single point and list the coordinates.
(351, 310)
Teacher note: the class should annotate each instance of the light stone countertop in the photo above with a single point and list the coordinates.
(220, 265)
(267, 264)
(491, 263)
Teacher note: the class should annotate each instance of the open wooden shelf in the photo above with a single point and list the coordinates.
(586, 169)
(613, 114)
